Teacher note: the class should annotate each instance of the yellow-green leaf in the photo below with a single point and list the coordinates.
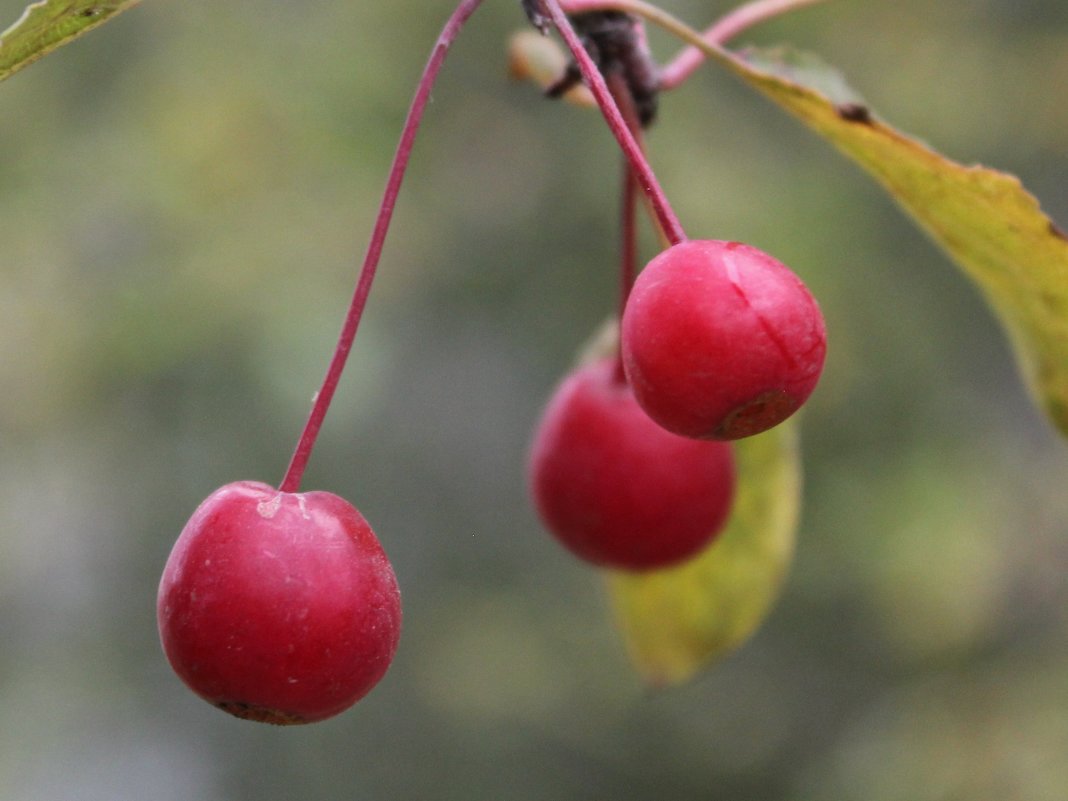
(49, 24)
(678, 620)
(984, 219)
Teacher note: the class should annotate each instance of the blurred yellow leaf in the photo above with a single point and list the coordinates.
(49, 24)
(676, 621)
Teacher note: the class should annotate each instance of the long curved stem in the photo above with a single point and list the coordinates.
(631, 150)
(295, 471)
(628, 251)
(628, 212)
(722, 31)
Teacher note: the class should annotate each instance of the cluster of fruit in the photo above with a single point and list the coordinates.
(281, 606)
(632, 465)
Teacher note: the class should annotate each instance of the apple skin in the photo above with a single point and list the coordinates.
(720, 340)
(278, 607)
(617, 489)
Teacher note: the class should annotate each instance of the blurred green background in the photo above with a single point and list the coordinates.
(184, 195)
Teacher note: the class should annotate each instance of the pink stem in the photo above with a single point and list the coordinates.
(721, 32)
(295, 471)
(628, 254)
(585, 6)
(631, 150)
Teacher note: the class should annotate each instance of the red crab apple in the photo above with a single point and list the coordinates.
(277, 606)
(616, 488)
(720, 340)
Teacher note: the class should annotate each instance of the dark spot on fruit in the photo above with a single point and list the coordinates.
(1057, 232)
(260, 714)
(854, 112)
(758, 415)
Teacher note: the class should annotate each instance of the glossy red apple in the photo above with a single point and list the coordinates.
(720, 340)
(616, 488)
(279, 607)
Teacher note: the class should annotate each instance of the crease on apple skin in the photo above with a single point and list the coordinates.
(734, 276)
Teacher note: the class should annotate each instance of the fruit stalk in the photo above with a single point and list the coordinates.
(295, 471)
(628, 252)
(616, 123)
(722, 31)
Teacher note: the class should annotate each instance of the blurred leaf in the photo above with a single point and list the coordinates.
(676, 621)
(987, 222)
(49, 24)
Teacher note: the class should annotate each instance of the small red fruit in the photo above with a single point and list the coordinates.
(617, 489)
(720, 340)
(277, 606)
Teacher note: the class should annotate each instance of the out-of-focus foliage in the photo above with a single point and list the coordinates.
(183, 198)
(49, 24)
(679, 620)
